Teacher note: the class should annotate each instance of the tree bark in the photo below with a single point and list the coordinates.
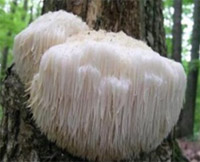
(177, 31)
(177, 45)
(141, 19)
(4, 60)
(188, 112)
(21, 140)
(25, 6)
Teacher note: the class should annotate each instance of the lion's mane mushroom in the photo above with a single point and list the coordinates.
(48, 30)
(106, 96)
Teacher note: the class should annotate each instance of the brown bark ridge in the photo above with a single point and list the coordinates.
(21, 140)
(177, 31)
(141, 19)
(187, 117)
(152, 17)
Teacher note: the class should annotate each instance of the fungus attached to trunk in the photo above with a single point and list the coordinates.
(48, 30)
(106, 96)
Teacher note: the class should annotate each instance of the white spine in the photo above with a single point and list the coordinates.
(49, 29)
(103, 97)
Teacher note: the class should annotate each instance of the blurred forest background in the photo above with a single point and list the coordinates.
(182, 40)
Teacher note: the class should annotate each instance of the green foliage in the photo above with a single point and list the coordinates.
(11, 22)
(186, 66)
(168, 13)
(187, 12)
(14, 17)
(188, 2)
(168, 3)
(194, 65)
(169, 46)
(197, 109)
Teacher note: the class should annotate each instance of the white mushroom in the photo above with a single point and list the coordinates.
(106, 96)
(50, 29)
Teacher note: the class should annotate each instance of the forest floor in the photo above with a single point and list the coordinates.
(191, 149)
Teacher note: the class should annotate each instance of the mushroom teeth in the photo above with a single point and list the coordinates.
(106, 96)
(49, 29)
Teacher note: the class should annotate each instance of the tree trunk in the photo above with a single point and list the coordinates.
(177, 45)
(189, 107)
(21, 139)
(25, 6)
(177, 31)
(138, 18)
(4, 60)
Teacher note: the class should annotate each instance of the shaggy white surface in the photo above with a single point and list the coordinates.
(48, 30)
(106, 96)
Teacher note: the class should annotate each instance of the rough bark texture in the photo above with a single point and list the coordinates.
(187, 117)
(177, 43)
(177, 31)
(152, 17)
(20, 139)
(141, 19)
(4, 60)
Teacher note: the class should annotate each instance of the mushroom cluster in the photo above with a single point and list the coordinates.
(105, 96)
